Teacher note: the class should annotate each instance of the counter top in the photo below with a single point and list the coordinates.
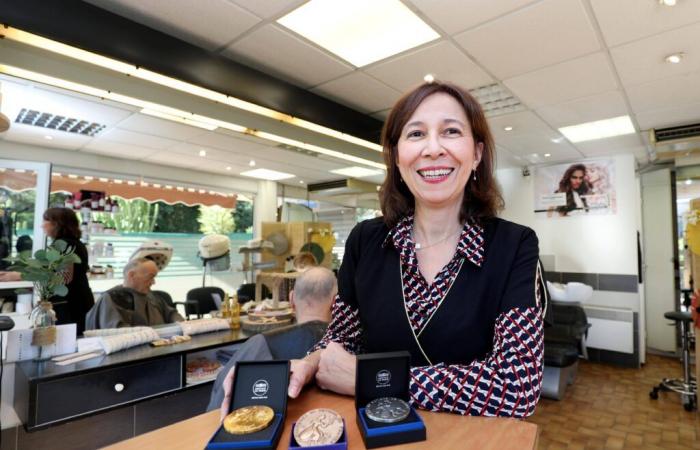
(46, 370)
(444, 430)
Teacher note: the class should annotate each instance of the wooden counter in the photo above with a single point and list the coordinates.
(445, 431)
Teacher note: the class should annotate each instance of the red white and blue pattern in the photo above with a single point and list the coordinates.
(506, 383)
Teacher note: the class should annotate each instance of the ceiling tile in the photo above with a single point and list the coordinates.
(169, 158)
(209, 24)
(118, 150)
(359, 91)
(626, 20)
(154, 126)
(28, 134)
(668, 117)
(545, 33)
(529, 135)
(644, 60)
(588, 109)
(281, 54)
(222, 141)
(630, 143)
(569, 80)
(269, 8)
(16, 96)
(133, 138)
(669, 92)
(453, 16)
(443, 60)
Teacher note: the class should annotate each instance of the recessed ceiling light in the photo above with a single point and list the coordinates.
(252, 163)
(547, 155)
(228, 167)
(599, 129)
(301, 181)
(360, 31)
(356, 172)
(202, 153)
(48, 138)
(674, 58)
(266, 174)
(429, 78)
(558, 140)
(688, 181)
(667, 2)
(508, 128)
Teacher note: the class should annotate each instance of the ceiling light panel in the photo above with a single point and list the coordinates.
(357, 172)
(267, 174)
(600, 129)
(496, 100)
(57, 122)
(360, 31)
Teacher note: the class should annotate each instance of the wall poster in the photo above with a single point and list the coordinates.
(576, 189)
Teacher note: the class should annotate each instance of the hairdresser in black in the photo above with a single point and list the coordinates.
(62, 223)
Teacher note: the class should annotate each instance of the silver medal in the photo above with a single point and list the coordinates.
(387, 410)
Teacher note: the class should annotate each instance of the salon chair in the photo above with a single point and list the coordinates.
(687, 386)
(564, 344)
(200, 301)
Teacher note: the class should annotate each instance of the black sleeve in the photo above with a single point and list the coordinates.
(520, 289)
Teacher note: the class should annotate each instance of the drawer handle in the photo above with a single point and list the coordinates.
(119, 387)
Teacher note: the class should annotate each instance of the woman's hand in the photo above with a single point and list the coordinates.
(10, 276)
(228, 385)
(336, 370)
(303, 371)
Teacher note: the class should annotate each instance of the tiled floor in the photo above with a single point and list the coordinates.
(609, 407)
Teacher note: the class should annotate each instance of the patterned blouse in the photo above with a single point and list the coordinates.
(505, 383)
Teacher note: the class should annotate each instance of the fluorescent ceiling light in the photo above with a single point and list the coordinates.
(357, 172)
(360, 31)
(600, 129)
(153, 77)
(174, 118)
(267, 174)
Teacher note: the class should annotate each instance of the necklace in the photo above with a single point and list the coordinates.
(420, 246)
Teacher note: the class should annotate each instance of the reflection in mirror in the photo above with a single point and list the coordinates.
(17, 207)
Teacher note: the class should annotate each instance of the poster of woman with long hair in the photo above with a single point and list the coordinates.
(576, 189)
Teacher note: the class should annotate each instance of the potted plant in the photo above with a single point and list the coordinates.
(47, 271)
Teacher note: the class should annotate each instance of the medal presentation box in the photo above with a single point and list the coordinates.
(342, 443)
(385, 375)
(256, 383)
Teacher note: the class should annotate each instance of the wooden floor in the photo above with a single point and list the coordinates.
(609, 407)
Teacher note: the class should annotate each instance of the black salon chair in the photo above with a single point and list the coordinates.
(687, 386)
(168, 299)
(246, 292)
(564, 344)
(200, 301)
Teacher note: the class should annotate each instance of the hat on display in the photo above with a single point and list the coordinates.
(157, 251)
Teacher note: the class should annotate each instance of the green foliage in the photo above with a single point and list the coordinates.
(243, 217)
(46, 268)
(133, 216)
(177, 218)
(215, 220)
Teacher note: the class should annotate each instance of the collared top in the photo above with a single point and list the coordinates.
(474, 334)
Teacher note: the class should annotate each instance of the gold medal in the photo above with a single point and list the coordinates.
(248, 419)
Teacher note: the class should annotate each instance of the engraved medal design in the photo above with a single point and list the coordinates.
(387, 410)
(249, 419)
(318, 427)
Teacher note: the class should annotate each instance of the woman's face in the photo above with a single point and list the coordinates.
(49, 228)
(576, 179)
(593, 174)
(436, 152)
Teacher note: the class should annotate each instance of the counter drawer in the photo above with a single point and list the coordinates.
(64, 398)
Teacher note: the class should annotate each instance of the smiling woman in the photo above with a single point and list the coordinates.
(439, 275)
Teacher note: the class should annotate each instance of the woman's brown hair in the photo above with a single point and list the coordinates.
(66, 222)
(482, 197)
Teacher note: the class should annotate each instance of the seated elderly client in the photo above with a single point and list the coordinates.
(133, 303)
